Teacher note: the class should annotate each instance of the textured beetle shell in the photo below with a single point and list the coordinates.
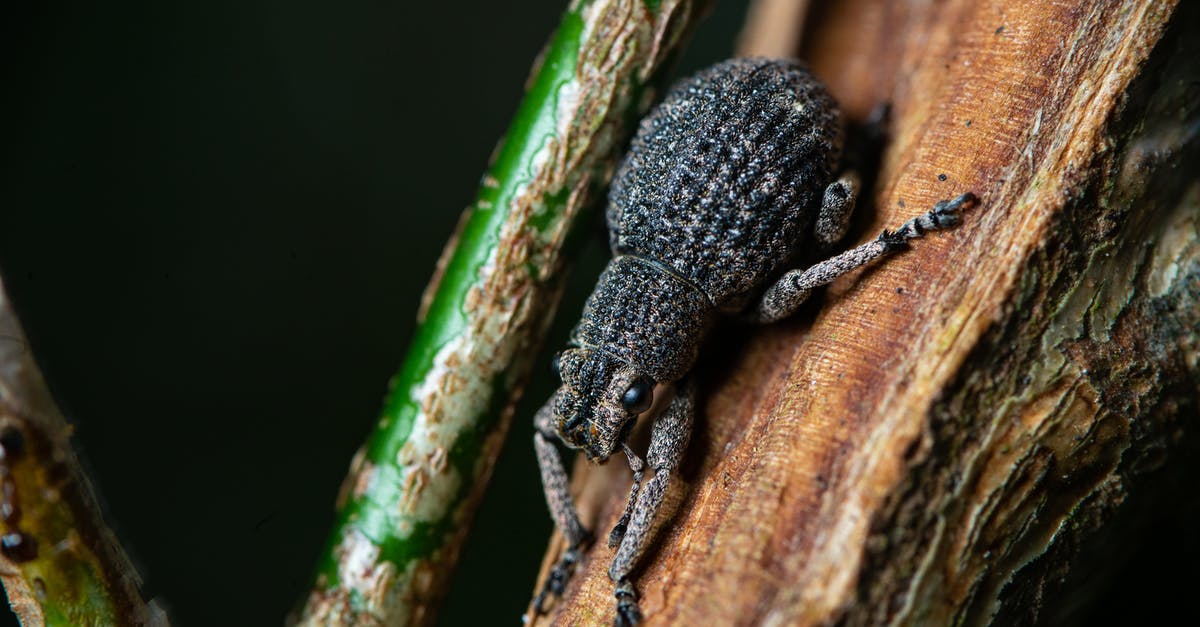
(659, 330)
(719, 192)
(724, 180)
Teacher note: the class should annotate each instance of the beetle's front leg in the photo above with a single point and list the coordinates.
(668, 439)
(639, 468)
(562, 507)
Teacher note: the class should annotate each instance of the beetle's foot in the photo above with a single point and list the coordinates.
(894, 241)
(556, 583)
(618, 531)
(945, 214)
(628, 613)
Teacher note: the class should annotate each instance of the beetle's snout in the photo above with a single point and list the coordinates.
(595, 448)
(569, 415)
(571, 430)
(598, 396)
(581, 434)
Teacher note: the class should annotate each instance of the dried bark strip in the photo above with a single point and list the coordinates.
(940, 442)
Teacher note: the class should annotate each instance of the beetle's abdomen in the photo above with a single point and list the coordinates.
(723, 180)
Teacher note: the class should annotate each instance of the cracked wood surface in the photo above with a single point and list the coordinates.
(940, 439)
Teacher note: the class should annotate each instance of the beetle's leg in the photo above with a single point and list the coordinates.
(562, 507)
(668, 439)
(628, 612)
(836, 206)
(782, 298)
(638, 467)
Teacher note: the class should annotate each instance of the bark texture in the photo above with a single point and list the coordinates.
(946, 435)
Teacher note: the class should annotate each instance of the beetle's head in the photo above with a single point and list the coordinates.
(599, 401)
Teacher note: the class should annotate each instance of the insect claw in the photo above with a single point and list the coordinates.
(628, 616)
(628, 613)
(967, 200)
(614, 538)
(893, 240)
(556, 582)
(618, 531)
(947, 213)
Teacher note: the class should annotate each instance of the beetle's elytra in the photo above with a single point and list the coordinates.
(728, 184)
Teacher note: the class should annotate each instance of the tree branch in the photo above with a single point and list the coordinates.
(938, 443)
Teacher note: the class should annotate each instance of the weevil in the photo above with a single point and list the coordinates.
(728, 184)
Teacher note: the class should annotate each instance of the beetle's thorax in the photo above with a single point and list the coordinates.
(647, 316)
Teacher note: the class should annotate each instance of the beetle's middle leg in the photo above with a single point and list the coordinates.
(668, 439)
(833, 220)
(783, 297)
(562, 506)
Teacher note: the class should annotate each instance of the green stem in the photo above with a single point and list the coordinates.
(413, 488)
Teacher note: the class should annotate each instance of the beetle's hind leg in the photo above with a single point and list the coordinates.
(785, 295)
(562, 507)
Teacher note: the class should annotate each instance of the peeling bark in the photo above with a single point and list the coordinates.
(938, 443)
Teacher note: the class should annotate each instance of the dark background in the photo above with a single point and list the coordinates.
(216, 222)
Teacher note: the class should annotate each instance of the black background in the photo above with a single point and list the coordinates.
(217, 219)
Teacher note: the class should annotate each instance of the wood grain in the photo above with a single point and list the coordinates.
(940, 439)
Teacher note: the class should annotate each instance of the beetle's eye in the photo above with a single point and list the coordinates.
(638, 397)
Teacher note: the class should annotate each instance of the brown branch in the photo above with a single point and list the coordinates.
(773, 28)
(940, 441)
